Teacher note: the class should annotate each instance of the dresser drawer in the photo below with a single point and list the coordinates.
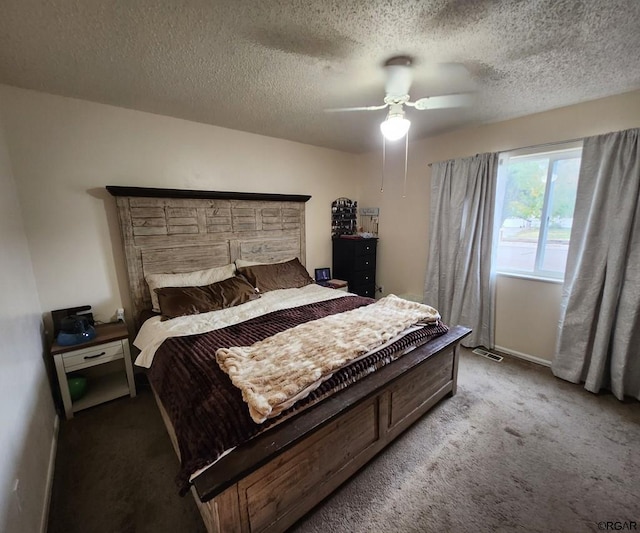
(364, 290)
(363, 277)
(93, 355)
(365, 247)
(365, 262)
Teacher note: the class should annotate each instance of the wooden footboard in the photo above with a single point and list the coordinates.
(269, 483)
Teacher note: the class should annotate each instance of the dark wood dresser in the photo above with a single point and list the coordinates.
(354, 260)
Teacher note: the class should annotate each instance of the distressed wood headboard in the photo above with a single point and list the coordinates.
(173, 231)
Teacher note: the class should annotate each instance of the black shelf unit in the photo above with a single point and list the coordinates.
(344, 217)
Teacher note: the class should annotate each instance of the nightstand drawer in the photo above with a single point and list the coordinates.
(94, 355)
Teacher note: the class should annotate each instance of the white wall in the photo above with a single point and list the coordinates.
(404, 222)
(27, 415)
(65, 151)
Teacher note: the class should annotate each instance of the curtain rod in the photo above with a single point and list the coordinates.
(553, 143)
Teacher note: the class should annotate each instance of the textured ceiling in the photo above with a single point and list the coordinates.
(271, 67)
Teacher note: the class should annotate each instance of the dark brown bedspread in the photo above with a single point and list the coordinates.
(207, 410)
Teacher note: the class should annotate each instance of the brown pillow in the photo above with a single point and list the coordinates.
(181, 301)
(287, 275)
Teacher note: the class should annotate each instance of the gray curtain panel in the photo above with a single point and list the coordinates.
(458, 281)
(599, 329)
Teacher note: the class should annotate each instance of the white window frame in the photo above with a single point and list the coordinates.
(556, 153)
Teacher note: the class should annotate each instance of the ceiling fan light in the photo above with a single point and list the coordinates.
(395, 127)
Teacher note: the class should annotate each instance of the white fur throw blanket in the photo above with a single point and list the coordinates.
(272, 372)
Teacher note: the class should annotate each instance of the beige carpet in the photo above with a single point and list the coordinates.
(515, 450)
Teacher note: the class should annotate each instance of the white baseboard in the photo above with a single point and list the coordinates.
(525, 356)
(50, 471)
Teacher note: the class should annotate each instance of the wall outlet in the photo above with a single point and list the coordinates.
(381, 288)
(120, 315)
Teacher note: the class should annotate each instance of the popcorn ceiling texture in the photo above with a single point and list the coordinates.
(271, 67)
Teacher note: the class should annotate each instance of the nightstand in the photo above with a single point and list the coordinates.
(104, 361)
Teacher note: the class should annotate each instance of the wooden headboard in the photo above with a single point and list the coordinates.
(172, 230)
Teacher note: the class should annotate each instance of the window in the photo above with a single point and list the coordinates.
(536, 195)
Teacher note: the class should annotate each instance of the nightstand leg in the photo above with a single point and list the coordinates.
(129, 368)
(64, 387)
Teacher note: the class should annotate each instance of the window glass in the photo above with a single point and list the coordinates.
(536, 196)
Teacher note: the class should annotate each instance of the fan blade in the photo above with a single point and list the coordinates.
(442, 102)
(365, 108)
(399, 79)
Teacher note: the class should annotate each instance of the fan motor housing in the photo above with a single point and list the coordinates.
(401, 61)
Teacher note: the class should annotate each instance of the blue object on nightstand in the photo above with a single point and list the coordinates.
(75, 329)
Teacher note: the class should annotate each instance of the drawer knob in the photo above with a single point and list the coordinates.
(366, 262)
(94, 356)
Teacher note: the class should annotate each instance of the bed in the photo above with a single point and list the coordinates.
(272, 479)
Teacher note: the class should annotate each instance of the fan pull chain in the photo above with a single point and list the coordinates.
(406, 157)
(383, 163)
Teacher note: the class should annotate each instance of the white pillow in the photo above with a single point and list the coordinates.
(240, 263)
(198, 278)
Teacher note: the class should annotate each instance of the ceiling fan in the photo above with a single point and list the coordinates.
(399, 77)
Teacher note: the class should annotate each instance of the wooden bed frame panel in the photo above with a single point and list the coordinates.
(270, 482)
(281, 492)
